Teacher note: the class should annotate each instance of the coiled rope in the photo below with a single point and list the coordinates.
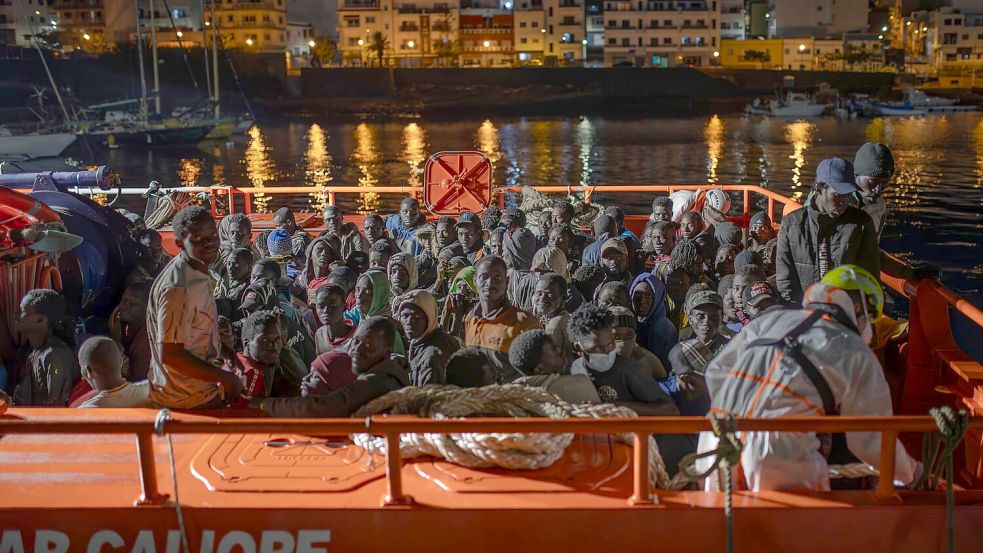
(167, 207)
(163, 416)
(519, 451)
(937, 454)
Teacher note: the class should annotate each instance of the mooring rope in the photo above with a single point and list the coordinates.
(937, 453)
(163, 416)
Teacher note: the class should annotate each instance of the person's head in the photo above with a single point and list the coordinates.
(835, 182)
(372, 343)
(101, 361)
(724, 262)
(357, 261)
(132, 306)
(41, 310)
(321, 255)
(495, 241)
(518, 248)
(874, 167)
(195, 233)
(470, 368)
(534, 353)
(364, 292)
(342, 277)
(417, 314)
(727, 299)
(561, 237)
(512, 218)
(239, 264)
(614, 257)
(865, 292)
(661, 237)
(749, 274)
(544, 220)
(490, 217)
(329, 304)
(618, 215)
(284, 219)
(687, 255)
(624, 324)
(642, 298)
(374, 227)
(704, 309)
(550, 295)
(758, 297)
(468, 231)
(662, 209)
(259, 295)
(381, 254)
(591, 333)
(280, 244)
(760, 228)
(266, 268)
(334, 218)
(613, 293)
(446, 231)
(491, 278)
(409, 212)
(747, 257)
(691, 224)
(262, 337)
(328, 372)
(225, 336)
(587, 278)
(402, 272)
(562, 213)
(678, 281)
(236, 231)
(153, 245)
(605, 224)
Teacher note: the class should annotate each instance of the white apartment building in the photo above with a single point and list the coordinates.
(802, 18)
(418, 33)
(300, 35)
(15, 29)
(530, 31)
(732, 20)
(550, 32)
(660, 33)
(953, 38)
(487, 34)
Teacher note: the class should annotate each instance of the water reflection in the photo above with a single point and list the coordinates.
(259, 167)
(585, 145)
(189, 170)
(978, 149)
(317, 166)
(799, 135)
(366, 158)
(487, 141)
(713, 133)
(414, 152)
(916, 158)
(218, 169)
(541, 150)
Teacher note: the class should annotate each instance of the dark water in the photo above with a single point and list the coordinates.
(936, 204)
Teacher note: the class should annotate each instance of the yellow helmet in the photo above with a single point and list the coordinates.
(854, 277)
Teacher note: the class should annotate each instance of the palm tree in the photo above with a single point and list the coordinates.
(378, 43)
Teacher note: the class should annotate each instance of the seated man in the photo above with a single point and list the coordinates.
(376, 375)
(618, 380)
(619, 219)
(429, 346)
(547, 305)
(132, 314)
(260, 369)
(614, 260)
(762, 239)
(284, 219)
(535, 355)
(351, 240)
(335, 332)
(494, 322)
(661, 209)
(471, 368)
(403, 227)
(759, 298)
(102, 367)
(51, 367)
(233, 282)
(689, 357)
(605, 228)
(470, 236)
(830, 371)
(660, 239)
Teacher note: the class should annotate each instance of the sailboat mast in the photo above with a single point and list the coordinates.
(44, 62)
(204, 50)
(153, 49)
(143, 76)
(218, 101)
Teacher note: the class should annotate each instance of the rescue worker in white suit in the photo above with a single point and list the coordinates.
(761, 375)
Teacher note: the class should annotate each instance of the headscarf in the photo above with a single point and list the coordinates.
(309, 263)
(464, 277)
(334, 369)
(408, 262)
(655, 331)
(381, 296)
(519, 246)
(225, 228)
(426, 302)
(551, 260)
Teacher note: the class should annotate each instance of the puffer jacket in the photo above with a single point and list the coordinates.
(852, 239)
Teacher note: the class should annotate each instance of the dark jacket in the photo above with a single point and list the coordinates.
(381, 379)
(428, 357)
(852, 239)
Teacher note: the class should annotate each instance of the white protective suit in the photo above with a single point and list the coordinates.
(761, 382)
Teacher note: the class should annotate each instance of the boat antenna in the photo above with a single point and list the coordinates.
(37, 45)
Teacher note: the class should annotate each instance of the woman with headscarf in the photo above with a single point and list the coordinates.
(462, 296)
(552, 260)
(430, 347)
(403, 277)
(518, 249)
(329, 372)
(655, 332)
(321, 259)
(372, 297)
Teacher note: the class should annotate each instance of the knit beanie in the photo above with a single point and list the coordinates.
(279, 243)
(760, 218)
(526, 350)
(747, 257)
(623, 317)
(727, 233)
(873, 160)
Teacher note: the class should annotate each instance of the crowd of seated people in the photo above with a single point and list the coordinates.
(688, 317)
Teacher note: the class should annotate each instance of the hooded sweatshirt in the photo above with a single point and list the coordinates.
(655, 331)
(428, 354)
(519, 246)
(458, 302)
(407, 262)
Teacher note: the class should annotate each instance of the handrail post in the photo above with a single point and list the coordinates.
(747, 202)
(149, 494)
(394, 474)
(642, 495)
(885, 484)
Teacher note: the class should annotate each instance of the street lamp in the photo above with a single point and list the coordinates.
(716, 54)
(249, 42)
(884, 29)
(180, 34)
(361, 42)
(584, 42)
(924, 29)
(802, 48)
(86, 36)
(486, 44)
(411, 44)
(310, 43)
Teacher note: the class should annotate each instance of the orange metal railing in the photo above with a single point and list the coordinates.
(391, 427)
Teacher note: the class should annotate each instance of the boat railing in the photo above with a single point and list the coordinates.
(392, 427)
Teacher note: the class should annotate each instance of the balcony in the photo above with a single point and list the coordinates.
(570, 24)
(695, 26)
(360, 5)
(571, 4)
(414, 9)
(486, 30)
(404, 28)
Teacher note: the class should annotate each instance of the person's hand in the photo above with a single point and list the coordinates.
(232, 386)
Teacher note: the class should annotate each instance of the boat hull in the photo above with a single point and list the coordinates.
(889, 111)
(151, 137)
(799, 111)
(34, 146)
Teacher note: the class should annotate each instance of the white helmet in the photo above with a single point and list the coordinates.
(719, 200)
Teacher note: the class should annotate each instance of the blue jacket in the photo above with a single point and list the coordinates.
(655, 332)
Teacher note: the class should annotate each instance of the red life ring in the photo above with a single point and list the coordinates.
(19, 210)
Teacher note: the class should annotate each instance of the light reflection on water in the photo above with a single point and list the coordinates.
(936, 204)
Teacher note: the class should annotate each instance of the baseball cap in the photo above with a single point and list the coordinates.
(468, 218)
(703, 297)
(837, 173)
(757, 291)
(760, 218)
(614, 244)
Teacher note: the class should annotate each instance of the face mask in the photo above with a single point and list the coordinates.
(601, 362)
(625, 347)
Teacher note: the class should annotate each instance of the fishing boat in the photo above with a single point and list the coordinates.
(149, 480)
(32, 145)
(795, 104)
(920, 100)
(895, 110)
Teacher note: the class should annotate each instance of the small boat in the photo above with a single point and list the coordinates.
(33, 145)
(795, 104)
(895, 110)
(919, 99)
